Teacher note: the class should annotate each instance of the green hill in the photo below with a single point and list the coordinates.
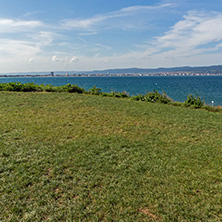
(71, 157)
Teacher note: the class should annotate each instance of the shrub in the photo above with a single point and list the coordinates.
(155, 96)
(120, 94)
(2, 86)
(196, 102)
(74, 89)
(13, 86)
(95, 91)
(50, 88)
(31, 87)
(139, 97)
(117, 94)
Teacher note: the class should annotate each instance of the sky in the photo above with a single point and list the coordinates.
(84, 35)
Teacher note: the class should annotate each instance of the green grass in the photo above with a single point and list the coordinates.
(71, 157)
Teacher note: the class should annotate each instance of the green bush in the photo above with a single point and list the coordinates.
(139, 97)
(2, 86)
(120, 94)
(13, 86)
(95, 91)
(50, 88)
(31, 87)
(117, 94)
(74, 89)
(154, 96)
(20, 87)
(196, 102)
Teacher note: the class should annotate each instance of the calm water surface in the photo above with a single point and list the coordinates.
(208, 88)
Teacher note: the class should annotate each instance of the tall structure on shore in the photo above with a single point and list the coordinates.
(52, 74)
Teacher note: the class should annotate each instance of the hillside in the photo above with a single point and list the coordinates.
(204, 69)
(70, 157)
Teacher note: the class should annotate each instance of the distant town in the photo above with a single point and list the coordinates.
(215, 70)
(54, 74)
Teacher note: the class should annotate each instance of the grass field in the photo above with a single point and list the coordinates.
(70, 157)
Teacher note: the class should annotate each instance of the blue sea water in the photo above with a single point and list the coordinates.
(178, 88)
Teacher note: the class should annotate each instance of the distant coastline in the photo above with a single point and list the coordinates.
(109, 75)
(215, 70)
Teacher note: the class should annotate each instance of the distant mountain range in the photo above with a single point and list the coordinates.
(202, 69)
(206, 69)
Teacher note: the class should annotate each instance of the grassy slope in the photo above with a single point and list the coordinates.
(89, 158)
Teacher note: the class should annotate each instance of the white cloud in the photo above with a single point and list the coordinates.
(43, 38)
(195, 30)
(144, 8)
(192, 41)
(17, 48)
(11, 26)
(83, 40)
(87, 33)
(27, 14)
(55, 58)
(104, 46)
(30, 46)
(25, 43)
(73, 59)
(91, 23)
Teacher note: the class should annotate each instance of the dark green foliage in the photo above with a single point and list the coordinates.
(74, 89)
(31, 87)
(139, 97)
(95, 91)
(117, 94)
(21, 87)
(50, 88)
(154, 96)
(12, 86)
(196, 102)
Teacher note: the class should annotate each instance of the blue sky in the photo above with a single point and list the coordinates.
(53, 35)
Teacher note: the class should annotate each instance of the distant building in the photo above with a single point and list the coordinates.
(52, 74)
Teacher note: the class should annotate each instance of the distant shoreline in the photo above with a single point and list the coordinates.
(112, 75)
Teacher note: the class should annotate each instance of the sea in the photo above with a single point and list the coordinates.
(209, 88)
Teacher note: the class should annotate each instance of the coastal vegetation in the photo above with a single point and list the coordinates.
(79, 157)
(154, 97)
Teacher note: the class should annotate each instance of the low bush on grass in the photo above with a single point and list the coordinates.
(139, 97)
(74, 89)
(31, 87)
(20, 87)
(117, 94)
(50, 88)
(95, 91)
(196, 102)
(154, 96)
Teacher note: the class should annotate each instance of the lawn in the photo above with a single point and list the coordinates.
(72, 157)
